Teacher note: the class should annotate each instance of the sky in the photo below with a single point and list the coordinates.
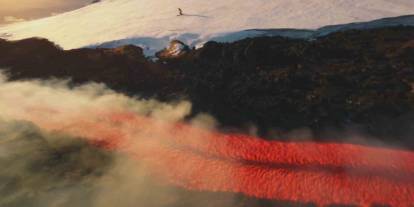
(21, 10)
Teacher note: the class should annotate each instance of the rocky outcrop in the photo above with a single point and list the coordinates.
(175, 49)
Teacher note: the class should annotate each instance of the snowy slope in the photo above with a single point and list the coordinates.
(153, 23)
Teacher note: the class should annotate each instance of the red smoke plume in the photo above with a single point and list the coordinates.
(197, 159)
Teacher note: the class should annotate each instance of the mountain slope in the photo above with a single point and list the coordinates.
(153, 23)
(359, 79)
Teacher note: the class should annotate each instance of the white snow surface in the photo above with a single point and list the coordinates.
(152, 24)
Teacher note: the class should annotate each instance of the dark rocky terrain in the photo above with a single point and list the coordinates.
(360, 80)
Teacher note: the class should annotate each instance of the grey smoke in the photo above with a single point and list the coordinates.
(44, 169)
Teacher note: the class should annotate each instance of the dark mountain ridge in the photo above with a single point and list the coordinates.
(357, 78)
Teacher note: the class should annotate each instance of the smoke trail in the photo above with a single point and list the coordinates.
(46, 169)
(199, 159)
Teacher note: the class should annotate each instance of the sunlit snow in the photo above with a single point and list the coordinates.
(152, 24)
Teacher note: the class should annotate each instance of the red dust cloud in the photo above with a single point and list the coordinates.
(196, 159)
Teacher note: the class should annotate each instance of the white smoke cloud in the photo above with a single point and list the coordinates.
(55, 98)
(46, 163)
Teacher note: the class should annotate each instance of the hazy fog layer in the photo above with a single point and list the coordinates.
(20, 10)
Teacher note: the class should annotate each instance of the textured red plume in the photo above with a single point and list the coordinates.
(197, 159)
